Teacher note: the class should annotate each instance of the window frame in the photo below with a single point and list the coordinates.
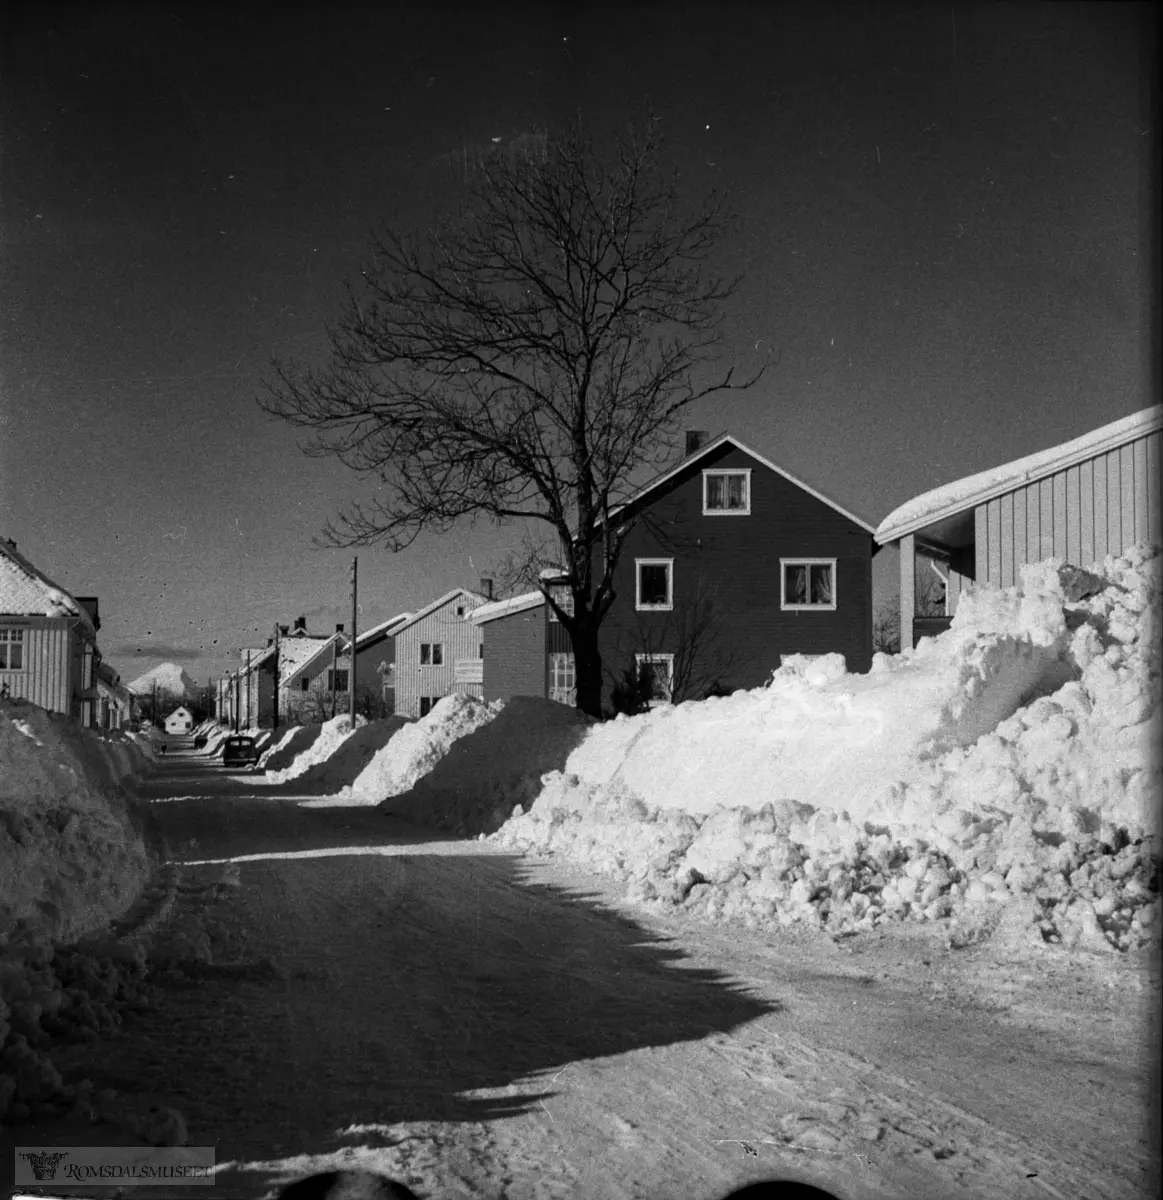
(560, 592)
(651, 659)
(654, 562)
(806, 561)
(13, 635)
(745, 511)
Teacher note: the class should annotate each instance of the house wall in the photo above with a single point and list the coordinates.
(731, 566)
(515, 649)
(368, 663)
(298, 706)
(1098, 507)
(460, 638)
(51, 663)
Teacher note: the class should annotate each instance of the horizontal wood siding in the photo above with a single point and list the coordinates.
(515, 655)
(459, 637)
(1082, 513)
(727, 581)
(51, 663)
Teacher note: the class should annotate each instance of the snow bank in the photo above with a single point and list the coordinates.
(418, 746)
(331, 735)
(297, 740)
(349, 759)
(73, 852)
(1009, 766)
(492, 766)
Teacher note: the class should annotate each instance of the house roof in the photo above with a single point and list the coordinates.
(506, 608)
(380, 630)
(431, 608)
(26, 591)
(299, 660)
(966, 494)
(724, 439)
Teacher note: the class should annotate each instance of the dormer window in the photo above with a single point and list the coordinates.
(727, 493)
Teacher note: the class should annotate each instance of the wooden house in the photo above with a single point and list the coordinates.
(181, 720)
(48, 640)
(1081, 500)
(438, 653)
(375, 661)
(729, 564)
(526, 649)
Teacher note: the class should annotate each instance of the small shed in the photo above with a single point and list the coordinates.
(181, 720)
(1080, 500)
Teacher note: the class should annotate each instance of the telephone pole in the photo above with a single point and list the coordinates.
(275, 714)
(351, 644)
(247, 725)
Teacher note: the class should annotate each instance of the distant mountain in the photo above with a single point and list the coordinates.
(167, 677)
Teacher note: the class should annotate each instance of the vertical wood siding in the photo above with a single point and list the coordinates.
(1082, 513)
(46, 677)
(460, 639)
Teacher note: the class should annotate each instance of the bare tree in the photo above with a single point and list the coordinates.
(528, 358)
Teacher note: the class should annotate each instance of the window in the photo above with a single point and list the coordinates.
(654, 584)
(659, 670)
(11, 649)
(426, 703)
(431, 654)
(482, 649)
(460, 610)
(563, 598)
(305, 684)
(727, 493)
(562, 679)
(337, 680)
(808, 583)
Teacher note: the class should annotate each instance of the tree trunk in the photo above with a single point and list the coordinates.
(587, 661)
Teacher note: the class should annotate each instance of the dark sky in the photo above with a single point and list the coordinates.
(945, 228)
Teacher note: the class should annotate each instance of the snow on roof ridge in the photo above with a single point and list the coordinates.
(15, 600)
(429, 608)
(399, 618)
(972, 490)
(502, 608)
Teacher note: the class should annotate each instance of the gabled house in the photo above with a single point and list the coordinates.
(251, 690)
(48, 640)
(310, 674)
(181, 720)
(1081, 500)
(375, 660)
(729, 564)
(438, 653)
(114, 699)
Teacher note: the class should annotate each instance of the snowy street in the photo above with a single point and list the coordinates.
(478, 1024)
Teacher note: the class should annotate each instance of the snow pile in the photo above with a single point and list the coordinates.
(418, 746)
(1007, 768)
(493, 766)
(73, 852)
(297, 740)
(331, 735)
(349, 759)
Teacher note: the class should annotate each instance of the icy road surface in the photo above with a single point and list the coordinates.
(481, 1025)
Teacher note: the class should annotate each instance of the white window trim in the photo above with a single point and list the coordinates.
(22, 642)
(640, 659)
(784, 563)
(654, 562)
(727, 512)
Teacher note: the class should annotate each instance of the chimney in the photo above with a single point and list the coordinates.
(486, 588)
(696, 439)
(301, 623)
(284, 630)
(339, 628)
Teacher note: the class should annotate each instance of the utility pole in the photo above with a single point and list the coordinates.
(334, 665)
(247, 726)
(351, 644)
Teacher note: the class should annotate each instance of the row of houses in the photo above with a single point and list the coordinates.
(48, 647)
(729, 564)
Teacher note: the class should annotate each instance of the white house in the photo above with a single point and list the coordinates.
(181, 720)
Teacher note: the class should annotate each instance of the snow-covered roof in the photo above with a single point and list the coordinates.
(506, 608)
(968, 493)
(431, 608)
(26, 591)
(383, 627)
(713, 445)
(300, 659)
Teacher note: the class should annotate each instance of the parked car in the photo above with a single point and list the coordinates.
(239, 751)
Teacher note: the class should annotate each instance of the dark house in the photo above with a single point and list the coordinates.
(527, 651)
(731, 563)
